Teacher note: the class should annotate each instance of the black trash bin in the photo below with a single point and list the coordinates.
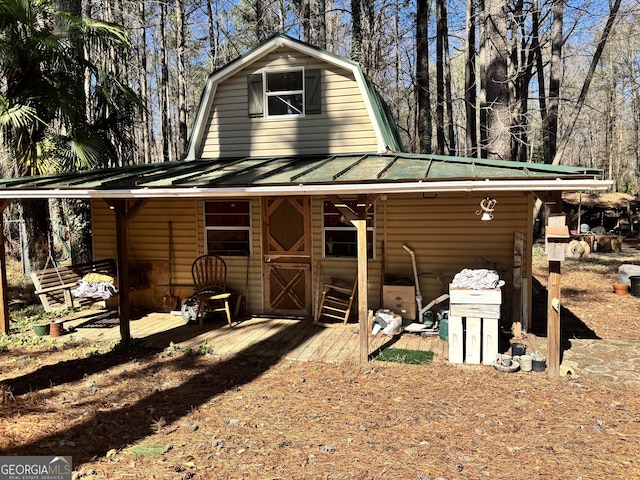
(635, 285)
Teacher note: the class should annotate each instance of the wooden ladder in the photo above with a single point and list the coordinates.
(337, 300)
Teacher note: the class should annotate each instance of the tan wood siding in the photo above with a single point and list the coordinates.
(149, 245)
(447, 236)
(444, 232)
(343, 126)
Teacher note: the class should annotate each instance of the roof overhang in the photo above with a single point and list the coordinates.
(348, 174)
(485, 186)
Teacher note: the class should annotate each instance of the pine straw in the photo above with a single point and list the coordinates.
(240, 418)
(305, 420)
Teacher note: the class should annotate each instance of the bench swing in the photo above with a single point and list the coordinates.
(57, 286)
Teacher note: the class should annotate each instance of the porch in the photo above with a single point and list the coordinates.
(291, 339)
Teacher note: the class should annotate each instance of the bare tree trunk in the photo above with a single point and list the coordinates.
(260, 23)
(72, 6)
(142, 79)
(470, 82)
(440, 35)
(369, 56)
(553, 103)
(496, 142)
(321, 23)
(305, 19)
(88, 111)
(213, 43)
(356, 31)
(482, 98)
(635, 110)
(165, 126)
(610, 130)
(541, 80)
(38, 228)
(521, 72)
(182, 82)
(451, 138)
(423, 96)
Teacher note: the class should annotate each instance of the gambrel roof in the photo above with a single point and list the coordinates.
(380, 116)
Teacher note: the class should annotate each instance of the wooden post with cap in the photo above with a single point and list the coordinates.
(553, 300)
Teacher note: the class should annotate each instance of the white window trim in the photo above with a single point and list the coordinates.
(208, 228)
(266, 95)
(351, 228)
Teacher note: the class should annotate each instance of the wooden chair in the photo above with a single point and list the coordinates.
(210, 281)
(337, 300)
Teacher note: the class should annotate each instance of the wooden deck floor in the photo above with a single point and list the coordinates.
(296, 340)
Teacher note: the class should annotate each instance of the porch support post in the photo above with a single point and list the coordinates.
(361, 226)
(359, 220)
(125, 213)
(553, 302)
(122, 259)
(4, 290)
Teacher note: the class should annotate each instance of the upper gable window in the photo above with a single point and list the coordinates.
(284, 93)
(281, 93)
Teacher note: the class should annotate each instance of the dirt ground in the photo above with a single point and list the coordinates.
(148, 414)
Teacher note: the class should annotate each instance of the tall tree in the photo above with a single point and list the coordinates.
(523, 46)
(542, 99)
(448, 97)
(423, 95)
(470, 96)
(165, 108)
(445, 138)
(441, 32)
(319, 22)
(555, 76)
(304, 9)
(495, 141)
(182, 81)
(142, 80)
(356, 31)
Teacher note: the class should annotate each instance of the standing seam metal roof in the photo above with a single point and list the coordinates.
(295, 170)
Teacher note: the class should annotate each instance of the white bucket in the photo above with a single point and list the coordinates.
(526, 363)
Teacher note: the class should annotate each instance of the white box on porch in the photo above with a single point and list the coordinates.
(456, 340)
(489, 340)
(466, 296)
(473, 339)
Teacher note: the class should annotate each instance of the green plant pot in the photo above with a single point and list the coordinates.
(40, 329)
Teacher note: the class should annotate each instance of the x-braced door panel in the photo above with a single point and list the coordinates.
(287, 255)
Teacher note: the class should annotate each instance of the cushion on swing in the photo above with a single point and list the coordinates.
(94, 277)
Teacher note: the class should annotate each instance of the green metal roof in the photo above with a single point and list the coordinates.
(287, 173)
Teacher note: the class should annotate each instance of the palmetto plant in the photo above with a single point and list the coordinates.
(60, 109)
(62, 104)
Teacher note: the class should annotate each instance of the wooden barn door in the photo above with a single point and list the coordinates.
(287, 255)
